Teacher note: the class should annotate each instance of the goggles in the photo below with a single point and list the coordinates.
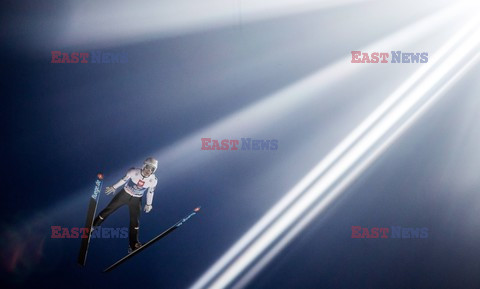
(149, 168)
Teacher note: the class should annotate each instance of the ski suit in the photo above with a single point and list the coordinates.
(135, 185)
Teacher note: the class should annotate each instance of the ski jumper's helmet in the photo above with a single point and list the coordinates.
(151, 162)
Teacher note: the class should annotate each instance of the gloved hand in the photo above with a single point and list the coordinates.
(148, 208)
(109, 190)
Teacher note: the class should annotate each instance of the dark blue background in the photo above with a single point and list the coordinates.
(63, 123)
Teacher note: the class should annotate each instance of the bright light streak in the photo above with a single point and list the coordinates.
(334, 174)
(336, 171)
(272, 108)
(324, 203)
(128, 22)
(332, 73)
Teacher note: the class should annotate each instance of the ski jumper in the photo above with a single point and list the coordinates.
(134, 187)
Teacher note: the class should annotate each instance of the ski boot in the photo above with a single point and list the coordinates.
(135, 247)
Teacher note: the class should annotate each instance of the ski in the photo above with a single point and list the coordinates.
(149, 243)
(92, 208)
